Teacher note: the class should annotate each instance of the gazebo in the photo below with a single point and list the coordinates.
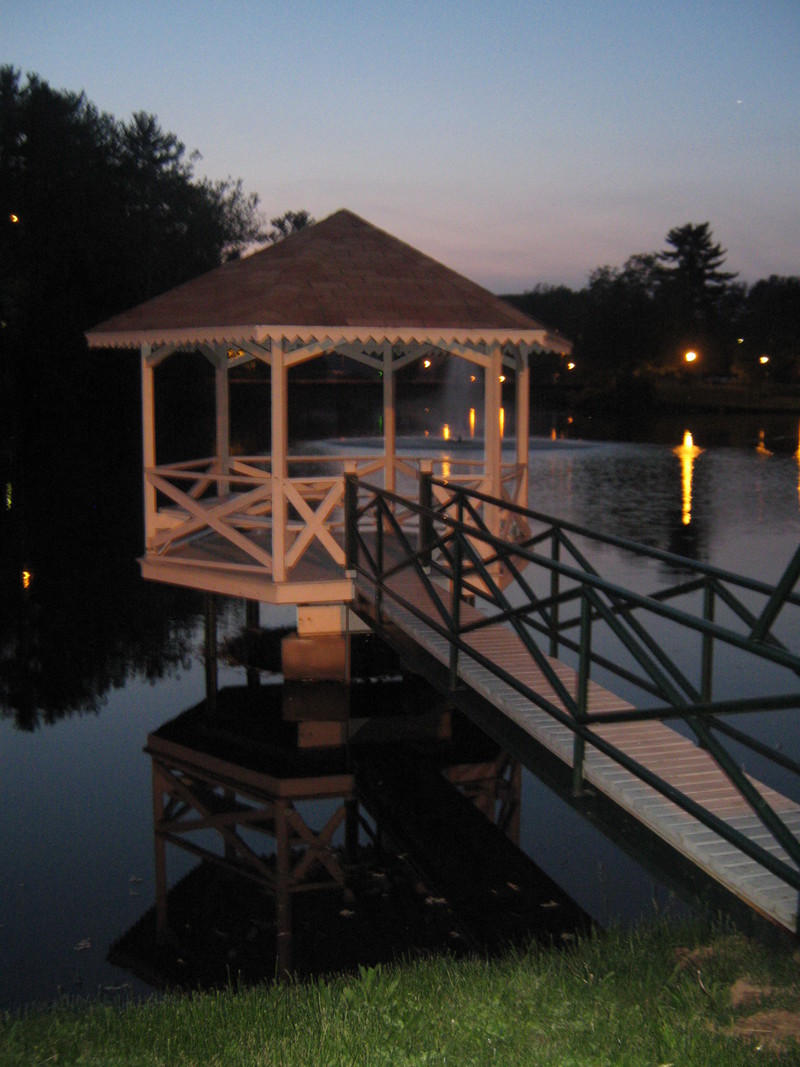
(269, 527)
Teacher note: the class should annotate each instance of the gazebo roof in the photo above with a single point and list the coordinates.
(342, 278)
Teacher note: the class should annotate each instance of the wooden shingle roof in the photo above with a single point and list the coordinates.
(339, 276)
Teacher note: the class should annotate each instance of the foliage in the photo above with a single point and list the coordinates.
(656, 996)
(96, 215)
(288, 223)
(645, 315)
(771, 325)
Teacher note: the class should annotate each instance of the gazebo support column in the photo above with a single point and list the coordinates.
(492, 440)
(148, 441)
(223, 417)
(523, 426)
(280, 437)
(389, 419)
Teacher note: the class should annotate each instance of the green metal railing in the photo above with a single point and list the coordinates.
(545, 589)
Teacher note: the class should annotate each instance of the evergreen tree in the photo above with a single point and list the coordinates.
(693, 290)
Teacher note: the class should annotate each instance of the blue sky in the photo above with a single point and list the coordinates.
(516, 142)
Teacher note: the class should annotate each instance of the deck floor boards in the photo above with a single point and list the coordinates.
(656, 745)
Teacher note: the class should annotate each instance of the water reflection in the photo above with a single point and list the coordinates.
(687, 453)
(88, 635)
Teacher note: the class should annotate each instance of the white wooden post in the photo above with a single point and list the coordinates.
(523, 422)
(389, 419)
(223, 417)
(280, 437)
(148, 442)
(492, 442)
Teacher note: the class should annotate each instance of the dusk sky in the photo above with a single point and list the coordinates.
(516, 142)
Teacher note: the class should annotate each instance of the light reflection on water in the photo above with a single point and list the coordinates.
(72, 839)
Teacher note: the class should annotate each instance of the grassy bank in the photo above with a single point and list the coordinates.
(657, 996)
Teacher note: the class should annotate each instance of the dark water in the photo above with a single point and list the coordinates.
(91, 659)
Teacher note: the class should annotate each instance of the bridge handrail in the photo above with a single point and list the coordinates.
(455, 547)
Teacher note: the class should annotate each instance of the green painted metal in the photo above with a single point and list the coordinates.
(455, 544)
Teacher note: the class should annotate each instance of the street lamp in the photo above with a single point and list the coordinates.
(690, 356)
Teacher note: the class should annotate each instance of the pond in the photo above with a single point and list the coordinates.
(92, 659)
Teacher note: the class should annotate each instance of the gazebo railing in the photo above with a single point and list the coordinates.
(234, 501)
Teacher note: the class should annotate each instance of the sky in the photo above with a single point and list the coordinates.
(518, 143)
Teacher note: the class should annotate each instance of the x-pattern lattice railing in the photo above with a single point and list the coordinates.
(557, 595)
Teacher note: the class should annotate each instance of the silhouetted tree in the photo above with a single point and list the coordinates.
(771, 328)
(693, 291)
(288, 223)
(97, 215)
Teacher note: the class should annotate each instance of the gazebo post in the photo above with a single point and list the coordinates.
(223, 416)
(389, 418)
(280, 437)
(492, 442)
(523, 423)
(148, 441)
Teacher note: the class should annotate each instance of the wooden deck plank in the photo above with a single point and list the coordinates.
(669, 754)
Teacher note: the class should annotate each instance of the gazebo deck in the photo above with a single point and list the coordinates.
(212, 563)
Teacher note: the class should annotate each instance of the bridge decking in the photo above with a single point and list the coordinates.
(653, 744)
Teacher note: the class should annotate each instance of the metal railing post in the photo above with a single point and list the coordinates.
(706, 681)
(426, 514)
(555, 555)
(582, 695)
(379, 506)
(455, 593)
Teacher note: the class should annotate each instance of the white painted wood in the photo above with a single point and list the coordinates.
(523, 427)
(280, 436)
(148, 441)
(389, 420)
(222, 412)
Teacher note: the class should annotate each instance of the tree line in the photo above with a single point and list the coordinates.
(645, 316)
(96, 215)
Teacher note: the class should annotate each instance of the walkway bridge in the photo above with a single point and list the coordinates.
(643, 696)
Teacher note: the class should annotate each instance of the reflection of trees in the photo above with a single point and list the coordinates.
(87, 622)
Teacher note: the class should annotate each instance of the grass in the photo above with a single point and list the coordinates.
(660, 995)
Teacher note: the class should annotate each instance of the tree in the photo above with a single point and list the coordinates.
(693, 292)
(288, 223)
(771, 328)
(97, 215)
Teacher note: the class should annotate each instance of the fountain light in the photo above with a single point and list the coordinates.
(446, 432)
(472, 422)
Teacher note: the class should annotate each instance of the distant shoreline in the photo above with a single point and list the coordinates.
(723, 396)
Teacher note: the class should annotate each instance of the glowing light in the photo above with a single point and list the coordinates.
(553, 434)
(426, 363)
(472, 422)
(502, 377)
(687, 453)
(570, 366)
(13, 218)
(761, 447)
(690, 357)
(27, 577)
(9, 496)
(763, 360)
(502, 420)
(472, 377)
(446, 432)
